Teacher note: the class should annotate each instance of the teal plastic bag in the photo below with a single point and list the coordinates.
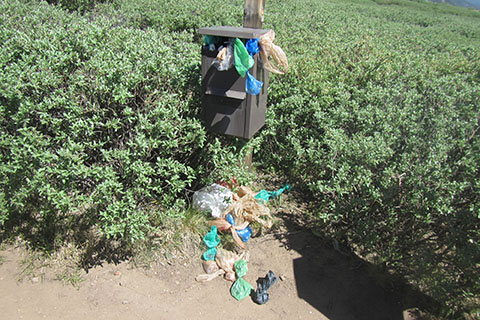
(241, 289)
(266, 195)
(243, 61)
(210, 254)
(212, 239)
(207, 40)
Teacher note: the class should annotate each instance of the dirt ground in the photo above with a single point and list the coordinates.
(318, 283)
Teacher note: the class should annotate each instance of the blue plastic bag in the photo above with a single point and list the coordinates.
(244, 234)
(252, 47)
(252, 85)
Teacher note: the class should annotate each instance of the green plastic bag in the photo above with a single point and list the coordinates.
(241, 289)
(212, 239)
(243, 61)
(241, 267)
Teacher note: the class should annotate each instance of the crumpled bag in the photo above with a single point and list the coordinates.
(225, 261)
(252, 46)
(261, 295)
(225, 58)
(211, 239)
(209, 254)
(247, 208)
(241, 267)
(224, 225)
(243, 61)
(241, 288)
(267, 195)
(214, 199)
(268, 49)
(244, 234)
(244, 210)
(252, 85)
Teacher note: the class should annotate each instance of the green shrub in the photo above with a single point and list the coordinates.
(173, 16)
(99, 125)
(378, 119)
(77, 5)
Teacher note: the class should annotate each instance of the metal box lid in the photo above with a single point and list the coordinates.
(233, 32)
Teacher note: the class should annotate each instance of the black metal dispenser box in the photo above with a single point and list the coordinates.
(226, 107)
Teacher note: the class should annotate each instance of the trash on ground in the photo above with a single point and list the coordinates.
(261, 295)
(241, 288)
(210, 266)
(212, 240)
(243, 211)
(225, 261)
(246, 207)
(267, 195)
(213, 198)
(244, 233)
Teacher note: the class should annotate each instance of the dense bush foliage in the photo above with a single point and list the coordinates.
(99, 124)
(378, 121)
(76, 5)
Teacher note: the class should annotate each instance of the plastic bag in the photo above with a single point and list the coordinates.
(252, 85)
(252, 47)
(212, 239)
(241, 288)
(225, 225)
(247, 208)
(266, 195)
(209, 255)
(210, 266)
(243, 61)
(268, 49)
(261, 295)
(244, 234)
(214, 199)
(225, 58)
(241, 267)
(207, 40)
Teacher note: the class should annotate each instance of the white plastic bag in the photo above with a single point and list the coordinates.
(214, 199)
(225, 58)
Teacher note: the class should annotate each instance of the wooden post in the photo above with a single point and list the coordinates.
(253, 14)
(252, 18)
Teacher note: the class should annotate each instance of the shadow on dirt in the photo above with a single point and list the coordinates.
(341, 285)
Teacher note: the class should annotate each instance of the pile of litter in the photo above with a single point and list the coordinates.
(233, 213)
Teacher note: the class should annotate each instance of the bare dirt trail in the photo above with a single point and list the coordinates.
(318, 283)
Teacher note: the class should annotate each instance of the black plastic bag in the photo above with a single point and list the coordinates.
(261, 295)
